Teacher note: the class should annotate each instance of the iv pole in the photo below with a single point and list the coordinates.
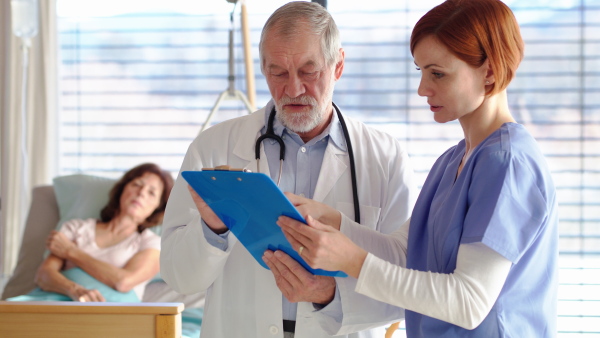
(230, 93)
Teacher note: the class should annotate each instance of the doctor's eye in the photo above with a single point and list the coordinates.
(310, 75)
(417, 68)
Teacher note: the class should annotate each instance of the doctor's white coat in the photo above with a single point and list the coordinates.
(242, 297)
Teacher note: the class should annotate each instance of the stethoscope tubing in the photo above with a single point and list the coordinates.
(270, 134)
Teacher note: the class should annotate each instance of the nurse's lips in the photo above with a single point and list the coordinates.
(436, 109)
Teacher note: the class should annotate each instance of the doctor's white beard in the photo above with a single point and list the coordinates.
(300, 122)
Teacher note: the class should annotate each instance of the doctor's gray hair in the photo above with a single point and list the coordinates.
(287, 20)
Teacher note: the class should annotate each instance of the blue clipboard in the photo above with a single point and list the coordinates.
(249, 204)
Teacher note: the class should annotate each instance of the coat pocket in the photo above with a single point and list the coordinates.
(368, 215)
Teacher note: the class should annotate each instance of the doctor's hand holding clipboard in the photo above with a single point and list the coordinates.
(283, 265)
(208, 215)
(249, 204)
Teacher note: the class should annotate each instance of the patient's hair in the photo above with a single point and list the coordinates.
(114, 202)
(476, 31)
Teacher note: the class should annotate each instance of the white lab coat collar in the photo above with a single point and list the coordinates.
(334, 161)
(251, 131)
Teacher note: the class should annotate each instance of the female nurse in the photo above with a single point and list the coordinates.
(478, 258)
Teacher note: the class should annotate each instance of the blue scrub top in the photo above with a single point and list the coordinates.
(504, 197)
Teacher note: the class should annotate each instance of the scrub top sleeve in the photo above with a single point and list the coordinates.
(506, 207)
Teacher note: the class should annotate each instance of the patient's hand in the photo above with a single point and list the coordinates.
(81, 294)
(59, 244)
(296, 283)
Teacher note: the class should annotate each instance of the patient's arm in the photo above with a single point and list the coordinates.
(141, 267)
(49, 278)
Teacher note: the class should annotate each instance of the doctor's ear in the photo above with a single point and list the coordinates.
(339, 65)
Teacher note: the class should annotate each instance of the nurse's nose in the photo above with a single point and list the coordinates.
(424, 89)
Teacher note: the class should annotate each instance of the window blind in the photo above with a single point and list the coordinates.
(137, 87)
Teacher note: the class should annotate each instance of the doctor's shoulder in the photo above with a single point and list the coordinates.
(232, 129)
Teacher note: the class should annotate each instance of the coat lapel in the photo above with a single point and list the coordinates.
(244, 146)
(333, 167)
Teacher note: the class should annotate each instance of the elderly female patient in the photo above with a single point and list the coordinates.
(117, 250)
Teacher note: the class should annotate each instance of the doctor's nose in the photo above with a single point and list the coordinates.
(294, 86)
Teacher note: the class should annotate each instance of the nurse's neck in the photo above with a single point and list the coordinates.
(482, 122)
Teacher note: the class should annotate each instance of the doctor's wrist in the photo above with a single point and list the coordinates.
(217, 229)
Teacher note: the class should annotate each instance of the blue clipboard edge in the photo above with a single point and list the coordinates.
(199, 180)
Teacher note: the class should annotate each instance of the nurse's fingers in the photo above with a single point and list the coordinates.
(317, 225)
(295, 199)
(296, 238)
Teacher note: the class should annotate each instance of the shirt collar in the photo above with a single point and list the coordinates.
(334, 129)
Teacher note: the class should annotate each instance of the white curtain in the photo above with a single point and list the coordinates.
(28, 154)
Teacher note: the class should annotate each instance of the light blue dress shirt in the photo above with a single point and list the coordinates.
(301, 168)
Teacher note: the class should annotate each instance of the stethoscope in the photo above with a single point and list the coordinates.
(270, 134)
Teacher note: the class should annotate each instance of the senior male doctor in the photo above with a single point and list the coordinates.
(301, 58)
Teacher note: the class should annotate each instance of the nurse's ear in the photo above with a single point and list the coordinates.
(339, 65)
(489, 78)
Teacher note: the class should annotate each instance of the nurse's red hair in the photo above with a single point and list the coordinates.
(475, 31)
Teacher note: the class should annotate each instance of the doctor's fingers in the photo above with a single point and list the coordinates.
(208, 215)
(296, 282)
(199, 201)
(299, 285)
(293, 271)
(281, 278)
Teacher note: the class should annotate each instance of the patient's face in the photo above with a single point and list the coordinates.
(141, 196)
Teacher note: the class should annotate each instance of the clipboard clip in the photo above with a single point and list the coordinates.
(227, 168)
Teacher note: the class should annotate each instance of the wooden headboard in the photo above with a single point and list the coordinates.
(77, 320)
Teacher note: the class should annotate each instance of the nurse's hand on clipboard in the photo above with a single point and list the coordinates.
(319, 211)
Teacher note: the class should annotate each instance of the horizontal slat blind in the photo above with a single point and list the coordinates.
(137, 87)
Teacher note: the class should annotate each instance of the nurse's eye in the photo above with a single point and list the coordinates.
(419, 69)
(437, 75)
